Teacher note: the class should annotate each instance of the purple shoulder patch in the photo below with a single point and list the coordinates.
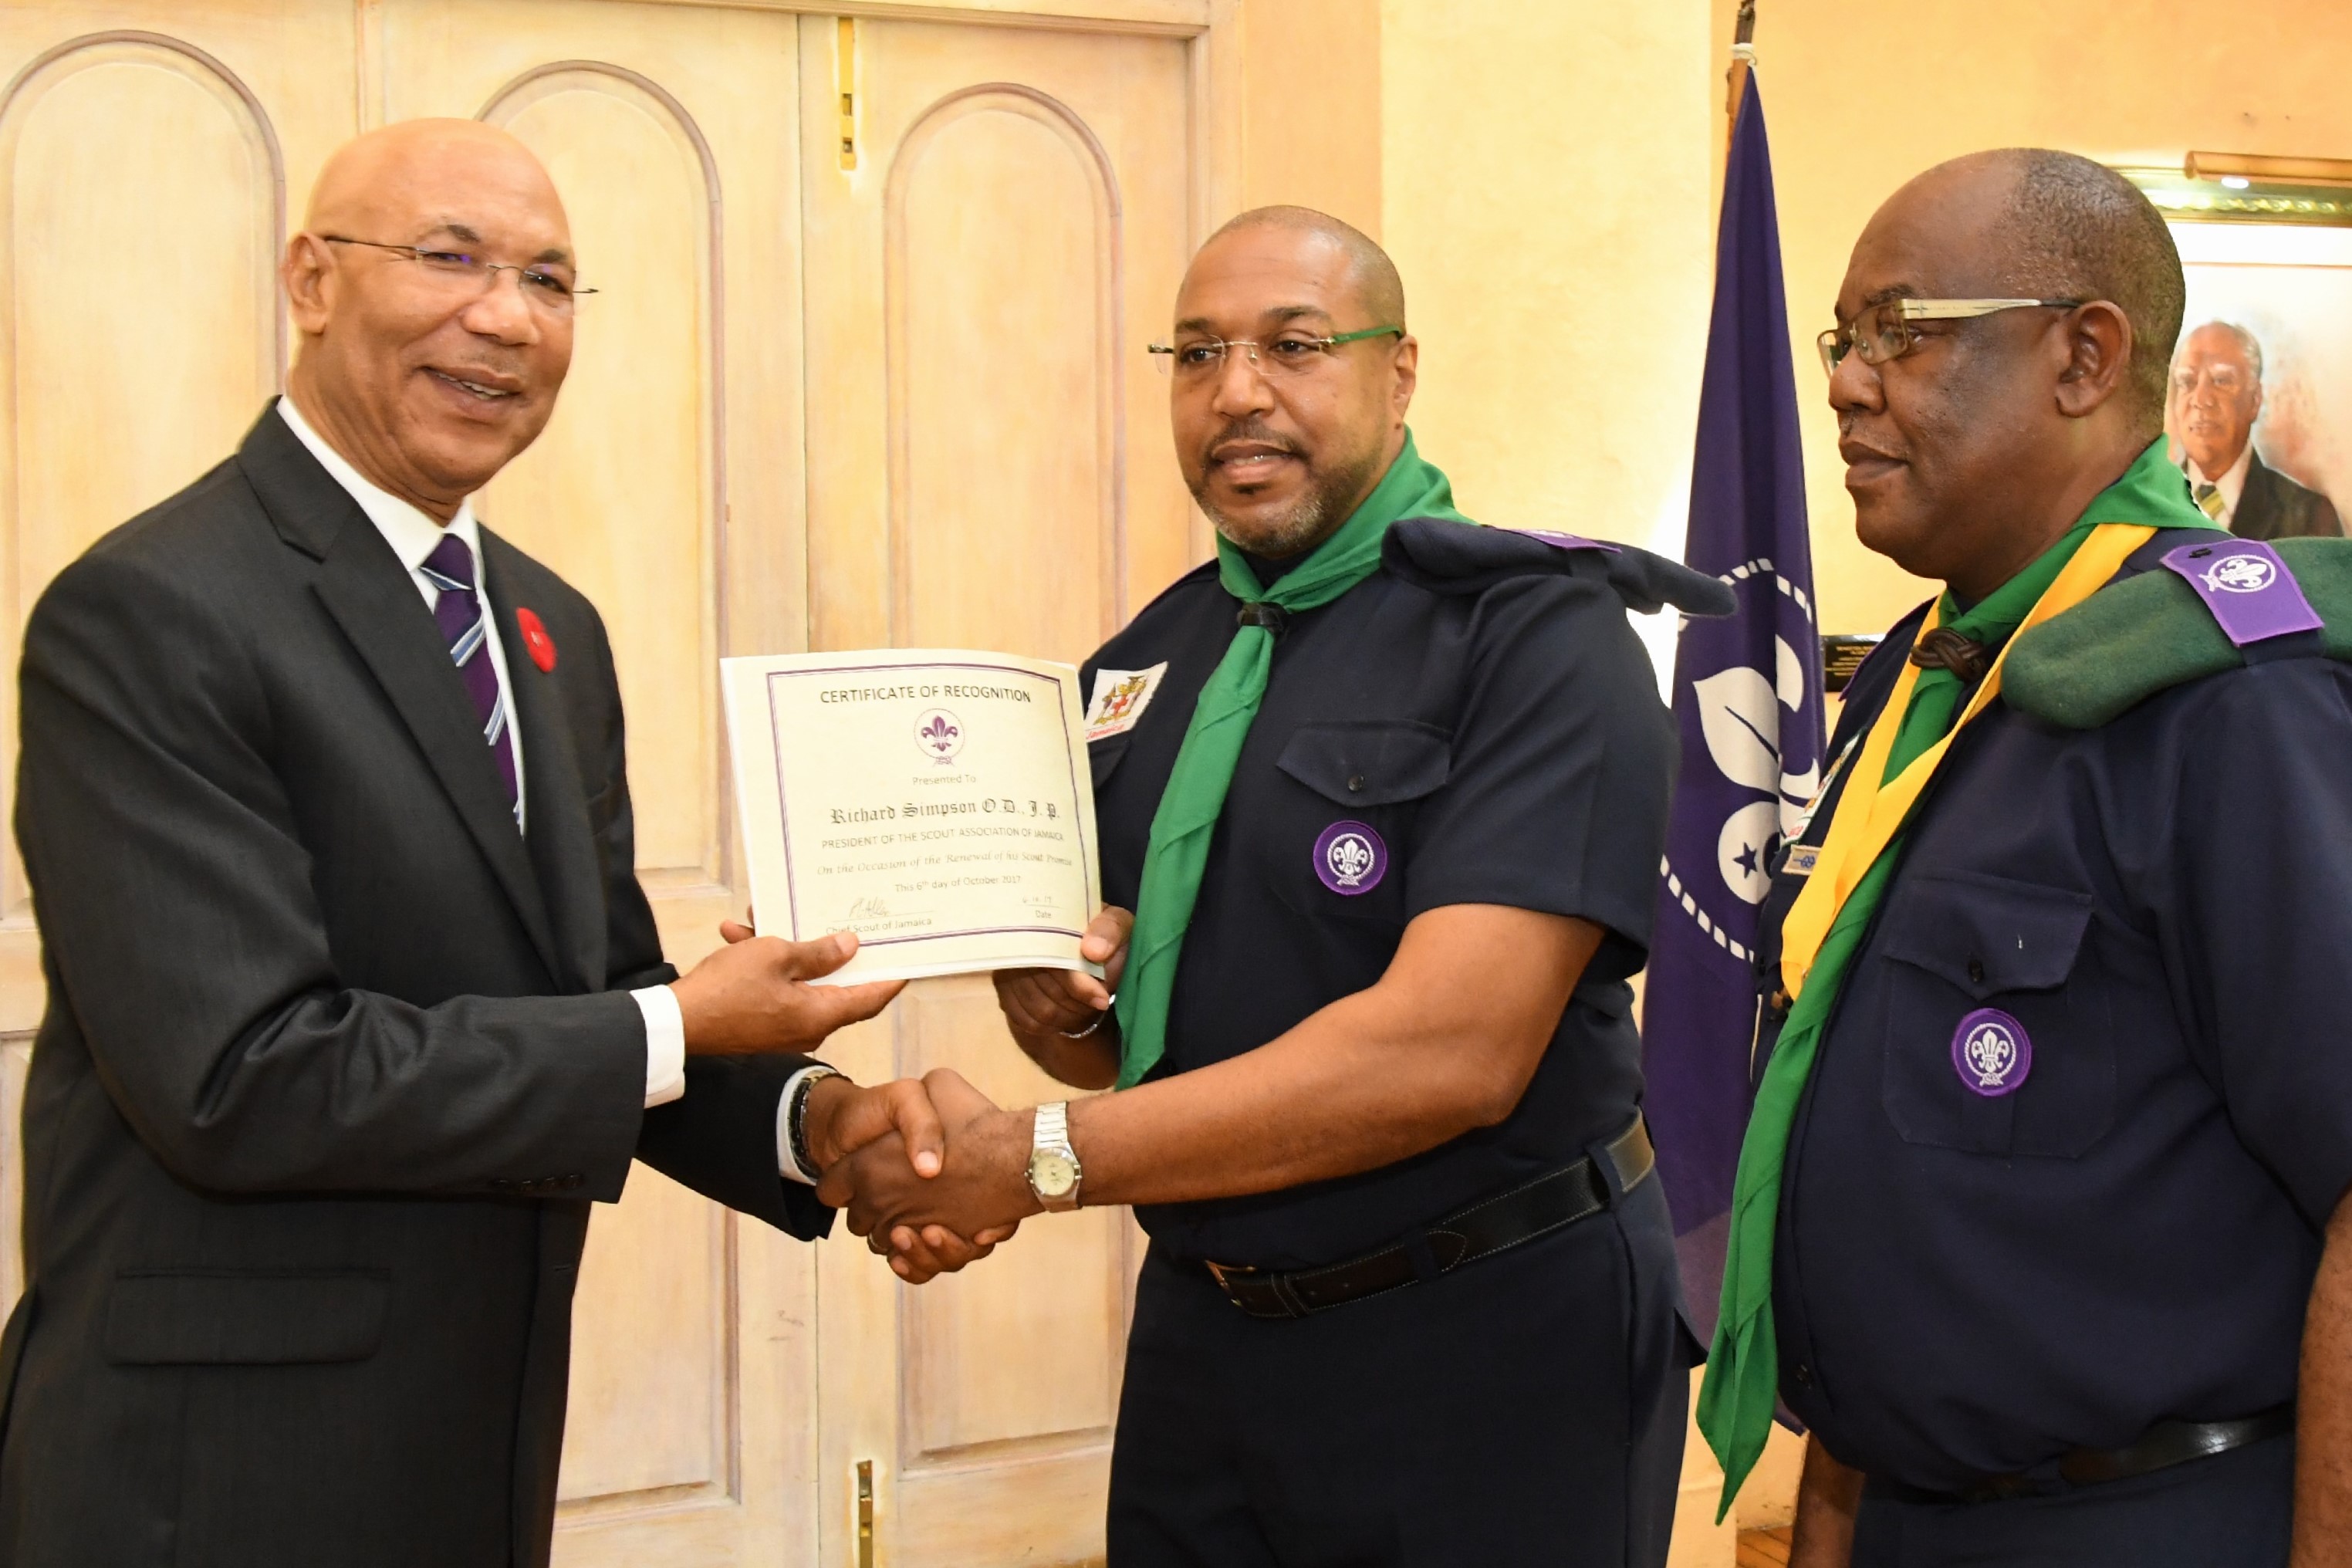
(2251, 593)
(1565, 540)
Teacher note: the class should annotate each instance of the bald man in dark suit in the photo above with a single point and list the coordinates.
(355, 1002)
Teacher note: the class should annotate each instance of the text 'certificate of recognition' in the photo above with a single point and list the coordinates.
(935, 801)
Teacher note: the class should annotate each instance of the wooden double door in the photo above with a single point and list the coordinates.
(866, 368)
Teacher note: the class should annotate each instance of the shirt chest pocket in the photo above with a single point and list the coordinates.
(1341, 821)
(1989, 1047)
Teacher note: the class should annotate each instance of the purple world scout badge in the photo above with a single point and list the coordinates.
(1350, 859)
(1991, 1052)
(1568, 541)
(2249, 589)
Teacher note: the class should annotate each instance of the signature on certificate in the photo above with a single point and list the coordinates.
(869, 908)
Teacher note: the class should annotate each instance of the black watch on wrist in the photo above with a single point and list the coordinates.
(796, 1118)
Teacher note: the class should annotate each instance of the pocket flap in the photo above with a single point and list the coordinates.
(1986, 934)
(244, 1318)
(1368, 764)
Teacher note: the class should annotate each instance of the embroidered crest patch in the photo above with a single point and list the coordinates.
(1992, 1053)
(2247, 587)
(1120, 697)
(1350, 859)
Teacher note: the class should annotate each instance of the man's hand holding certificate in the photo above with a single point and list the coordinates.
(936, 801)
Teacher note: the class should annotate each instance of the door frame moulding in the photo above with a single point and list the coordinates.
(715, 875)
(1162, 19)
(20, 984)
(266, 133)
(1042, 109)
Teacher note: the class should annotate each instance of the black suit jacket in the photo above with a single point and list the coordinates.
(334, 1060)
(2272, 506)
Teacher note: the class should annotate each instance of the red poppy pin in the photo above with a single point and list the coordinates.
(535, 638)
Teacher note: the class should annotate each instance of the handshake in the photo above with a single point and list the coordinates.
(932, 1172)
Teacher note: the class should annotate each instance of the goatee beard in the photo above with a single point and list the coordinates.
(1313, 518)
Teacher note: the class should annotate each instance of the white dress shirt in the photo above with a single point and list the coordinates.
(2231, 484)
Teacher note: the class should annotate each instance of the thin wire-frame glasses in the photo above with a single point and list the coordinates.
(461, 270)
(1288, 353)
(1883, 332)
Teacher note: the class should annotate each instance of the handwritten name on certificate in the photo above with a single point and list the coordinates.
(935, 801)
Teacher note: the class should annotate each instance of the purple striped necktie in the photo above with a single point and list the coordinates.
(458, 611)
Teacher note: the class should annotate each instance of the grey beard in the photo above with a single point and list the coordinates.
(1281, 538)
(1307, 524)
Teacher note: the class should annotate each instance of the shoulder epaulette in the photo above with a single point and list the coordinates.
(1448, 557)
(2148, 634)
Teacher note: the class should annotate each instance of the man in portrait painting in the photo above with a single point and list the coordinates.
(2217, 394)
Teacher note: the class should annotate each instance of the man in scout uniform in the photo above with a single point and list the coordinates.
(1386, 791)
(2039, 1226)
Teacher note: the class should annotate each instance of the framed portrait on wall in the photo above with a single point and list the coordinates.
(2260, 408)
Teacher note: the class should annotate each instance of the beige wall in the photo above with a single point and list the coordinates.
(2141, 83)
(1546, 190)
(1311, 107)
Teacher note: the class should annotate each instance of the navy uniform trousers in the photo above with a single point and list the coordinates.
(1527, 1411)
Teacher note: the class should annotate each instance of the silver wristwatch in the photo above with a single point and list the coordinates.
(1054, 1172)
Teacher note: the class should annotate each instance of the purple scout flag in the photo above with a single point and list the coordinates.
(1747, 702)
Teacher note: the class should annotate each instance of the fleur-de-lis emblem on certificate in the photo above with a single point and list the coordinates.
(939, 734)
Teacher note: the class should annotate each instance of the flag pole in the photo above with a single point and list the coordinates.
(1743, 59)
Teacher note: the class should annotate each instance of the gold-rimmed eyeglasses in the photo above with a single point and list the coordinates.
(1883, 332)
(1286, 353)
(462, 273)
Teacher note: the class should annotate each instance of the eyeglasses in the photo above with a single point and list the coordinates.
(1883, 332)
(1290, 353)
(2227, 380)
(465, 275)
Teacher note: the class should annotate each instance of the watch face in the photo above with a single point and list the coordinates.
(1053, 1176)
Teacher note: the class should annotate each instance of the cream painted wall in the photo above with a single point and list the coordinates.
(1547, 193)
(1311, 107)
(1859, 100)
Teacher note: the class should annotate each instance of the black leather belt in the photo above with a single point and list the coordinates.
(2165, 1444)
(1545, 1204)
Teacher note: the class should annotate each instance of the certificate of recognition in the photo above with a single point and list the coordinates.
(935, 801)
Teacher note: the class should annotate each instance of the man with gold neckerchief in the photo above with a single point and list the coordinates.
(2040, 1226)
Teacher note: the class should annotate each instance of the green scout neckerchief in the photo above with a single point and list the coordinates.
(1177, 850)
(1735, 1409)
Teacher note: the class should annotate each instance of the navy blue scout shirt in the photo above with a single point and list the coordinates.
(1966, 1286)
(1499, 735)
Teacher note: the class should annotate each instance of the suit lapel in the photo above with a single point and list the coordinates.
(562, 842)
(369, 594)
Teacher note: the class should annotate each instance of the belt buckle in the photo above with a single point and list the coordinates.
(1228, 1274)
(1224, 1274)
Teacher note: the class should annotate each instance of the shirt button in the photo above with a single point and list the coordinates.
(1355, 784)
(1976, 971)
(1803, 1374)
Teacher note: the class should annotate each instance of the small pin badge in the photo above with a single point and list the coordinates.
(535, 640)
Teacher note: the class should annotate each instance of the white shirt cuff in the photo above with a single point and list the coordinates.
(665, 1044)
(785, 1162)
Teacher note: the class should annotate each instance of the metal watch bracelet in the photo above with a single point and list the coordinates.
(796, 1117)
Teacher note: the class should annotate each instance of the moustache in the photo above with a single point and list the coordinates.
(1250, 430)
